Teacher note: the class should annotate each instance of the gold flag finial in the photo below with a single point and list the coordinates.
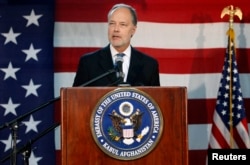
(231, 11)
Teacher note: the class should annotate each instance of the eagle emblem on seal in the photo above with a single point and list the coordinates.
(126, 124)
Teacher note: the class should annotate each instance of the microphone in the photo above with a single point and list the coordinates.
(118, 65)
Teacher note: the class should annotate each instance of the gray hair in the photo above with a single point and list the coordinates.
(131, 9)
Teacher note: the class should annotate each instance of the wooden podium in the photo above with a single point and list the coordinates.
(78, 146)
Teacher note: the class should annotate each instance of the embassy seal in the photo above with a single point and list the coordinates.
(126, 124)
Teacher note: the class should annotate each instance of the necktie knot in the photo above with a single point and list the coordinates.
(120, 55)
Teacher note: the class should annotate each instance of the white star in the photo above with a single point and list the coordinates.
(10, 71)
(31, 124)
(31, 53)
(10, 107)
(223, 112)
(10, 36)
(33, 159)
(8, 143)
(31, 88)
(240, 98)
(32, 18)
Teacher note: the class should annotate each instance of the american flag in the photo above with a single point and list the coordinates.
(26, 81)
(229, 127)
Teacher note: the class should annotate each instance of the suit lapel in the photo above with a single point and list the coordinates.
(106, 62)
(135, 66)
(105, 59)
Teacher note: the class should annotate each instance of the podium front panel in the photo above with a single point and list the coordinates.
(79, 147)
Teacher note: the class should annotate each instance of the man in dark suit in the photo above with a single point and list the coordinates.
(139, 69)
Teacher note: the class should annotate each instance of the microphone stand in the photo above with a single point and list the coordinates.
(14, 128)
(14, 123)
(26, 149)
(99, 77)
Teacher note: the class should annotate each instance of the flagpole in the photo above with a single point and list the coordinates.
(229, 10)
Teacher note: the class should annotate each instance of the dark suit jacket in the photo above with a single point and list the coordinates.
(143, 69)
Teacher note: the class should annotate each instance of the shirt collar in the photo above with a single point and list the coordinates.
(127, 52)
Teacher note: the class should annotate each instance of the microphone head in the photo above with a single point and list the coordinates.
(118, 66)
(119, 59)
(118, 63)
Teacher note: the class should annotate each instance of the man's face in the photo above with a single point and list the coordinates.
(120, 29)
